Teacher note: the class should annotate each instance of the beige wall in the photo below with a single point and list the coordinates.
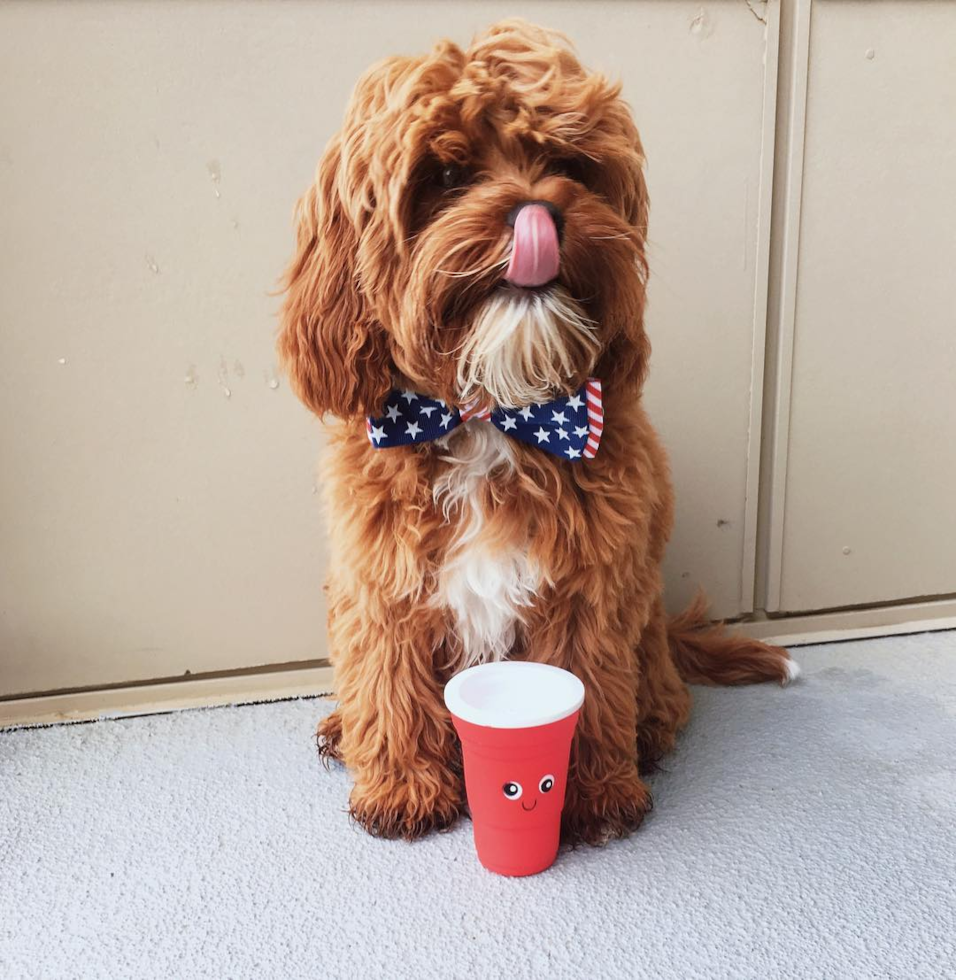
(868, 511)
(157, 486)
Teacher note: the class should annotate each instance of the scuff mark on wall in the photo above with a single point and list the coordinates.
(191, 377)
(214, 170)
(152, 264)
(758, 8)
(700, 24)
(223, 377)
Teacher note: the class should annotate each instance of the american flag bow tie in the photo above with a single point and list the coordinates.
(569, 427)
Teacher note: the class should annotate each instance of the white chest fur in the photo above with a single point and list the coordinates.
(484, 582)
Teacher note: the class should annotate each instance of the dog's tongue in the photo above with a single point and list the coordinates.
(534, 248)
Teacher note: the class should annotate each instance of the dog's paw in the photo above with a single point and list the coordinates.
(404, 811)
(328, 737)
(612, 811)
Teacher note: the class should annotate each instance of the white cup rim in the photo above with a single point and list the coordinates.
(513, 694)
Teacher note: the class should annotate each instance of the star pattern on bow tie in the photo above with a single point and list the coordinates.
(575, 422)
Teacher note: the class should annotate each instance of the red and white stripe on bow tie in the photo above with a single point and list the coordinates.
(472, 411)
(595, 417)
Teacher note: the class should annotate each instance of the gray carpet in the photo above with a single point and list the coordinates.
(800, 832)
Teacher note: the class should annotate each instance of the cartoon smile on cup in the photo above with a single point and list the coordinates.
(528, 793)
(515, 720)
(514, 791)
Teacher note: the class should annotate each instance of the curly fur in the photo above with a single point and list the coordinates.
(456, 551)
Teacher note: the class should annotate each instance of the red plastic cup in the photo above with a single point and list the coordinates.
(515, 720)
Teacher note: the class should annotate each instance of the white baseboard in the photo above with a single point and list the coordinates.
(854, 624)
(144, 699)
(276, 685)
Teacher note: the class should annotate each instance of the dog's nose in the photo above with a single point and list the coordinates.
(535, 244)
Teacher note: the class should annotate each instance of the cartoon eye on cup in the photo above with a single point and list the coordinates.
(546, 784)
(512, 791)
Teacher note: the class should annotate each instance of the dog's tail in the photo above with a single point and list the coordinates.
(707, 653)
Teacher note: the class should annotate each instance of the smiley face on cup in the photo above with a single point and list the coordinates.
(514, 792)
(520, 792)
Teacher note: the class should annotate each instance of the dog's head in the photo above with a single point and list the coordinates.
(476, 230)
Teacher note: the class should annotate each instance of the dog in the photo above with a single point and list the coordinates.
(472, 254)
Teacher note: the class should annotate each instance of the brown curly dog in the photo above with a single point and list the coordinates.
(475, 236)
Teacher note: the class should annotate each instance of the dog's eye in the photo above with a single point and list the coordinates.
(512, 790)
(546, 784)
(453, 175)
(573, 168)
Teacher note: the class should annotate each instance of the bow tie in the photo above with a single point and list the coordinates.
(569, 427)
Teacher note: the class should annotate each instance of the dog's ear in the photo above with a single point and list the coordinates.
(333, 349)
(637, 205)
(626, 358)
